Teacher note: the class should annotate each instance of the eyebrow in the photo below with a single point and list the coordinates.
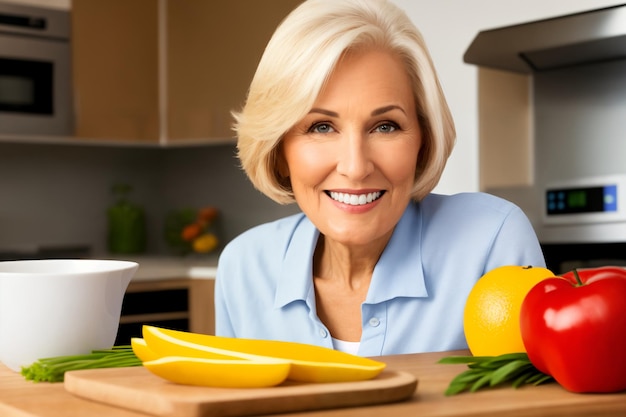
(326, 112)
(385, 109)
(375, 112)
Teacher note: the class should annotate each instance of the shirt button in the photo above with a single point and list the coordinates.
(374, 322)
(323, 333)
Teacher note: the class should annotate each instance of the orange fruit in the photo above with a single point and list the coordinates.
(492, 310)
(190, 232)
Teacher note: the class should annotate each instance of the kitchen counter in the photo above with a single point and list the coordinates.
(170, 267)
(19, 398)
(151, 267)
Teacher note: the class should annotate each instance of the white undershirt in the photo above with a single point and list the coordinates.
(348, 347)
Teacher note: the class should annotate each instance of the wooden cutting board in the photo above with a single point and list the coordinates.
(137, 389)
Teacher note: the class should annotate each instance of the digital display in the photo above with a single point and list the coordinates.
(577, 199)
(582, 200)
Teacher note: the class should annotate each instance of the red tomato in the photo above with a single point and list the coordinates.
(576, 331)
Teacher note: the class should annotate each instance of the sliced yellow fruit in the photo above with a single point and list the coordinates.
(141, 350)
(309, 363)
(224, 373)
(165, 342)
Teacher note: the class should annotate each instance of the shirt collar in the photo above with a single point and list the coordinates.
(398, 273)
(296, 276)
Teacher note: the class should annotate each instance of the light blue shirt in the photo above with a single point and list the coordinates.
(440, 247)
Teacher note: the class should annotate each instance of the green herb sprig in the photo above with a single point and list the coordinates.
(490, 371)
(53, 369)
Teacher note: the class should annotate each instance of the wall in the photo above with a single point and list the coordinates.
(201, 176)
(54, 195)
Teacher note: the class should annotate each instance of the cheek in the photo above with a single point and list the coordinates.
(305, 164)
(406, 166)
(399, 165)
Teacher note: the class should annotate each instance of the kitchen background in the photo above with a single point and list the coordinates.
(55, 193)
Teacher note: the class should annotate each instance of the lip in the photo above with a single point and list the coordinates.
(353, 191)
(355, 208)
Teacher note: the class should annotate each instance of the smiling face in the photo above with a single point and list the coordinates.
(352, 159)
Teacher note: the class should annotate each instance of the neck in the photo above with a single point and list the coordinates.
(351, 265)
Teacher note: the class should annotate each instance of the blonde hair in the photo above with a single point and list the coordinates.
(298, 60)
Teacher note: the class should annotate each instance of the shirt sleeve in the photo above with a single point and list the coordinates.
(516, 243)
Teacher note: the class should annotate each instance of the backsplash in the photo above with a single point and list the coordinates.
(56, 195)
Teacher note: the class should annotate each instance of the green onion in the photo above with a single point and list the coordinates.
(53, 369)
(490, 371)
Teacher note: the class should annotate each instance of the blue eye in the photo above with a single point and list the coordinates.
(386, 127)
(321, 128)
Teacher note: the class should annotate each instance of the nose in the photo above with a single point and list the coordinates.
(354, 156)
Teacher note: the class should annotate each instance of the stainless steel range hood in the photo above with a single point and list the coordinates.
(582, 38)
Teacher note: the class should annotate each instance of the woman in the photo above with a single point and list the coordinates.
(346, 117)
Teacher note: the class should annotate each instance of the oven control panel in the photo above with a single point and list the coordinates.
(586, 200)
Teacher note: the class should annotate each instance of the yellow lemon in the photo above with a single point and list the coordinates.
(225, 373)
(309, 363)
(205, 243)
(492, 310)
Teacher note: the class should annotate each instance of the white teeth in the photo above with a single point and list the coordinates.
(355, 199)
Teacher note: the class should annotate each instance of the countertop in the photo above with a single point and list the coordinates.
(19, 397)
(170, 267)
(151, 267)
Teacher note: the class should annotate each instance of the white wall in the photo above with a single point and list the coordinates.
(449, 26)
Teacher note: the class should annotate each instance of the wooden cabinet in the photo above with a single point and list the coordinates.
(166, 71)
(505, 129)
(182, 304)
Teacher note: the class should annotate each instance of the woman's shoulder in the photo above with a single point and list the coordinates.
(498, 230)
(469, 210)
(482, 202)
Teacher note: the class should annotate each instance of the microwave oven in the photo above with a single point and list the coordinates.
(35, 71)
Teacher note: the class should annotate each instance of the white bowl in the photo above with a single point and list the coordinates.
(59, 307)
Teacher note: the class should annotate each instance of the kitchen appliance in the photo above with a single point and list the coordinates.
(35, 67)
(568, 207)
(583, 222)
(577, 65)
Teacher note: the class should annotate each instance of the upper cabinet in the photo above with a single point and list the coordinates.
(166, 71)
